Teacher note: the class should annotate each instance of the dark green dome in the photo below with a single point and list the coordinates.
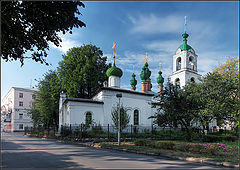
(114, 71)
(185, 46)
(146, 73)
(133, 81)
(160, 79)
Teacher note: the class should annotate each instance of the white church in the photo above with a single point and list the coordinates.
(98, 109)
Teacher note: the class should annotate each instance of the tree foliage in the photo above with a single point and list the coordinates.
(229, 70)
(175, 108)
(46, 104)
(28, 26)
(124, 117)
(82, 71)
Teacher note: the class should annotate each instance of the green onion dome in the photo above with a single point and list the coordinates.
(114, 71)
(133, 81)
(160, 79)
(185, 46)
(146, 73)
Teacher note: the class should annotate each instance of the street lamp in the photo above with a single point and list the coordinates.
(119, 96)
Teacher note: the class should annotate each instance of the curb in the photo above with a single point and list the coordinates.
(189, 159)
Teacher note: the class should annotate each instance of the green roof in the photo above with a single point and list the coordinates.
(146, 73)
(114, 71)
(160, 79)
(133, 81)
(185, 46)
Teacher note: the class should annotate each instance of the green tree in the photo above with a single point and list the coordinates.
(46, 104)
(175, 107)
(82, 71)
(229, 70)
(221, 97)
(124, 117)
(28, 26)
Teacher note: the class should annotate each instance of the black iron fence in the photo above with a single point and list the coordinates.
(84, 132)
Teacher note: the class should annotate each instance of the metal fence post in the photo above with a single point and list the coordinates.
(108, 132)
(81, 131)
(131, 131)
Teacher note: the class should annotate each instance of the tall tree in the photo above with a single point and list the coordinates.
(28, 26)
(82, 71)
(175, 108)
(46, 103)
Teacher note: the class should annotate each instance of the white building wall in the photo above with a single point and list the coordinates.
(79, 110)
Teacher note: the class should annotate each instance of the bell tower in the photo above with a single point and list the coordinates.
(184, 64)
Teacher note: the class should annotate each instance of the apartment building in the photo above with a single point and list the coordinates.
(15, 107)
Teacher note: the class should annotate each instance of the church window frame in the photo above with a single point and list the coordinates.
(136, 117)
(177, 82)
(191, 59)
(178, 63)
(88, 118)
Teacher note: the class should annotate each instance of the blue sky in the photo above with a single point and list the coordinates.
(140, 27)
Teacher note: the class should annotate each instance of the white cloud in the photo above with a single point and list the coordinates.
(149, 24)
(67, 43)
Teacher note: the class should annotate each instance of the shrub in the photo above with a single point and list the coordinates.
(144, 142)
(165, 145)
(215, 138)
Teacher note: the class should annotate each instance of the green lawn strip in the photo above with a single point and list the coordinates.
(171, 153)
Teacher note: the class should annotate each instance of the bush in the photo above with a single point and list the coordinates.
(144, 142)
(215, 138)
(165, 145)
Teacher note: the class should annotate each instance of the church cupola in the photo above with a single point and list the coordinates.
(145, 77)
(133, 82)
(160, 81)
(184, 63)
(114, 73)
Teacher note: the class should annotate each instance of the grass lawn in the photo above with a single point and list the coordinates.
(206, 153)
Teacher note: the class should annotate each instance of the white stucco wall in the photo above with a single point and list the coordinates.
(78, 112)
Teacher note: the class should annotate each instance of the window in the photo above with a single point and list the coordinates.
(178, 65)
(88, 119)
(177, 82)
(20, 116)
(136, 117)
(20, 103)
(192, 80)
(20, 126)
(20, 95)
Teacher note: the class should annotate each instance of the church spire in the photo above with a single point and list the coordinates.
(160, 80)
(133, 81)
(114, 73)
(185, 46)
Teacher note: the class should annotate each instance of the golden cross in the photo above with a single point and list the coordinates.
(185, 23)
(113, 47)
(146, 56)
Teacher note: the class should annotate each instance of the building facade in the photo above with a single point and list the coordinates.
(15, 107)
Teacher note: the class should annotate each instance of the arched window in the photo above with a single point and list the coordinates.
(136, 117)
(191, 62)
(192, 80)
(88, 119)
(178, 64)
(177, 82)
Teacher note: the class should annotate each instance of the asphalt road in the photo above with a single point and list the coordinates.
(21, 152)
